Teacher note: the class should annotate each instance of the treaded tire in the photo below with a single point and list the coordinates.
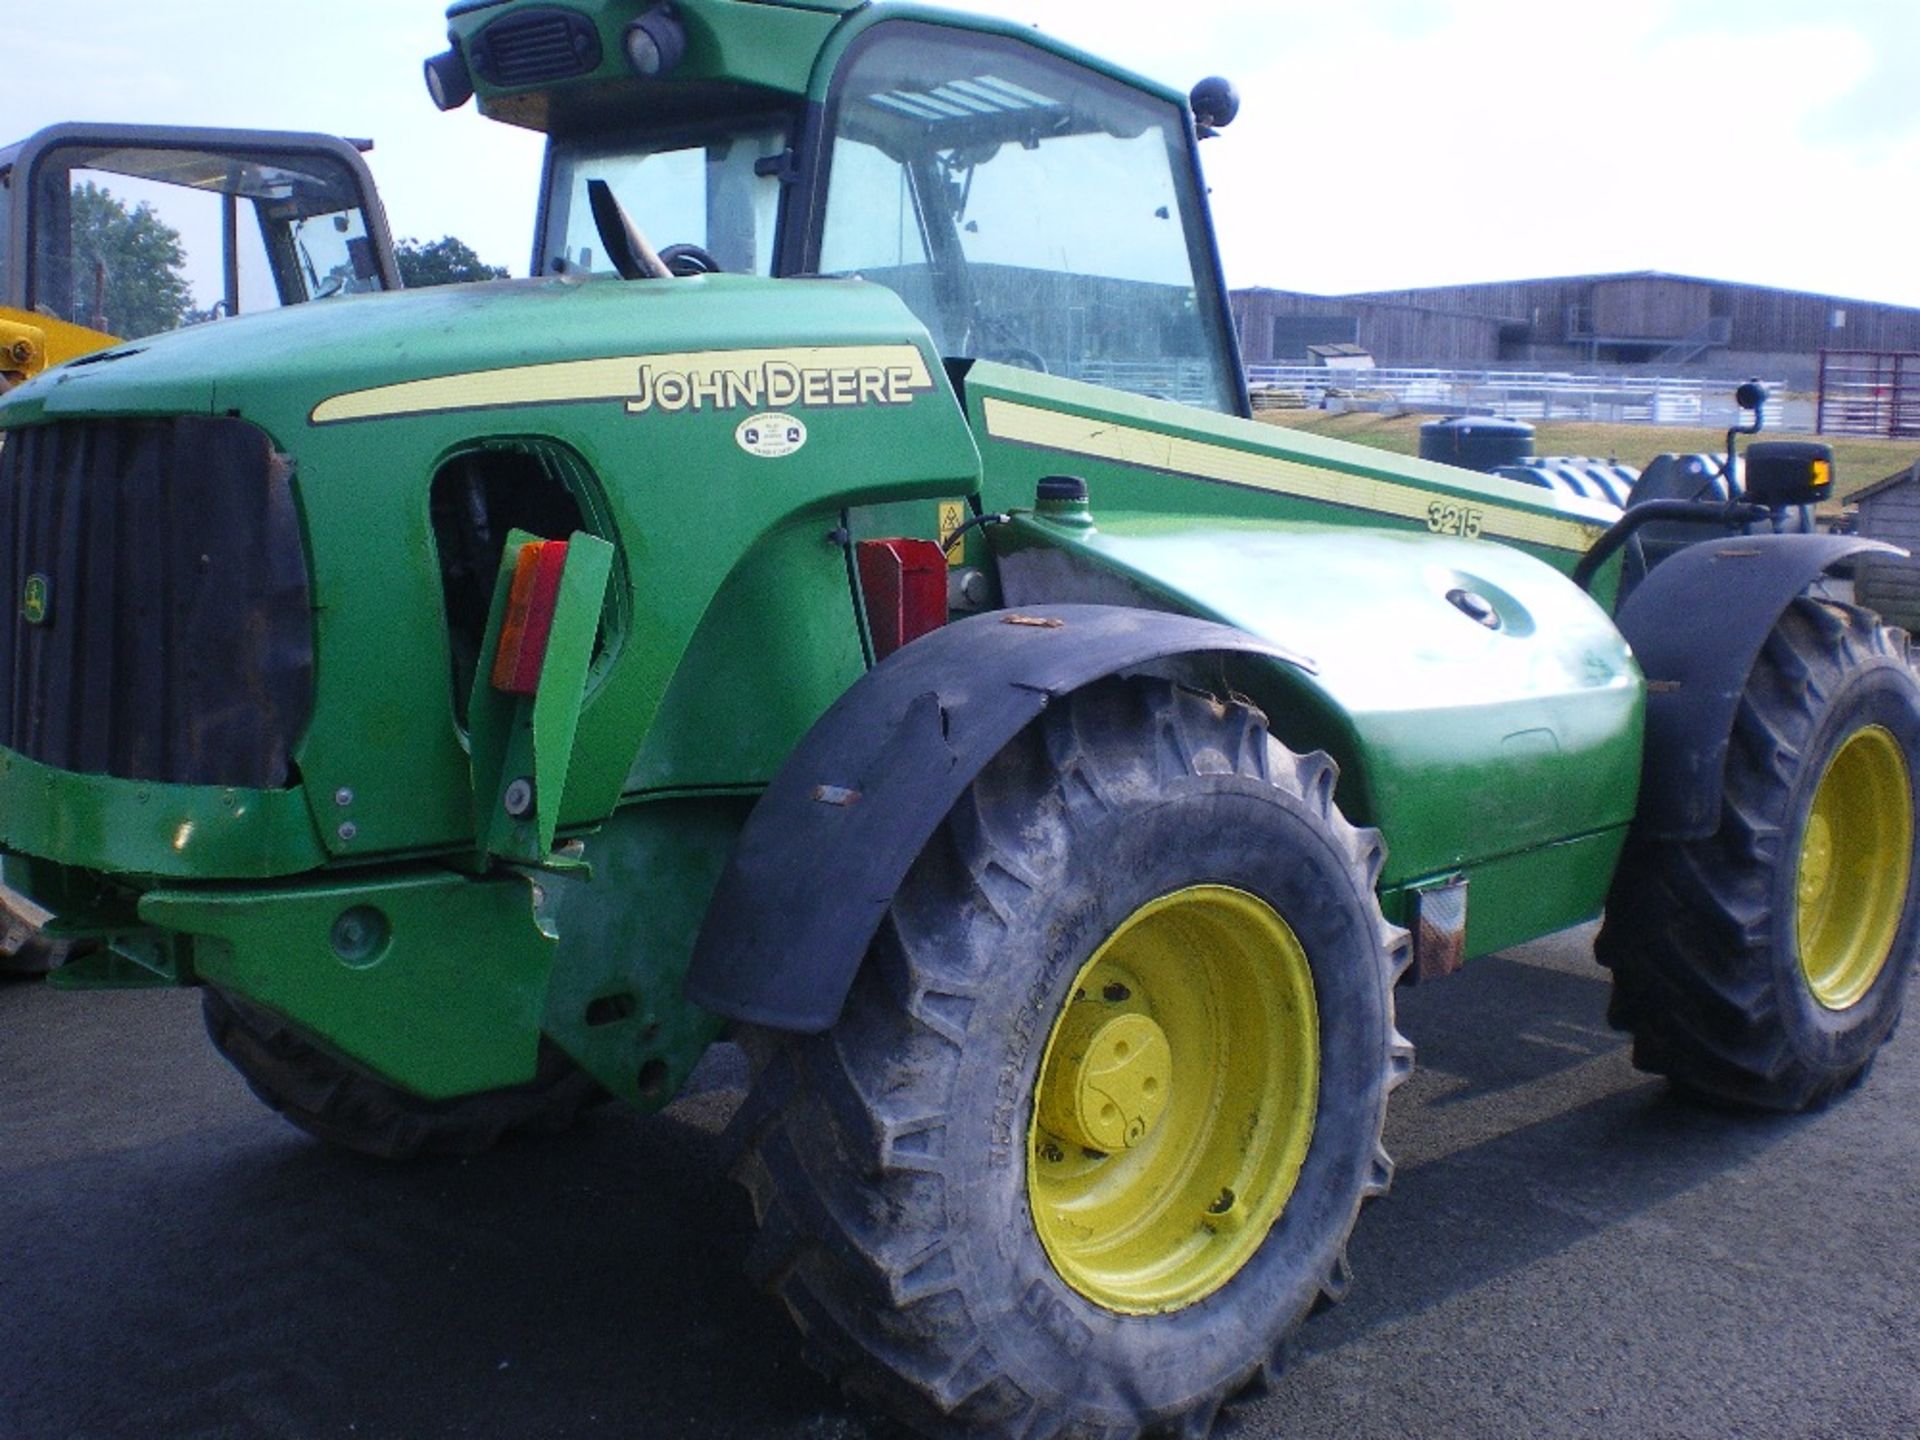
(331, 1099)
(887, 1159)
(1701, 934)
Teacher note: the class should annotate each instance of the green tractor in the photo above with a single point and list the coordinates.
(842, 603)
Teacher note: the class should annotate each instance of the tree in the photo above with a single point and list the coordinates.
(445, 261)
(127, 266)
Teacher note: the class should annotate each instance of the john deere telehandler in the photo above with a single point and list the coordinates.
(841, 602)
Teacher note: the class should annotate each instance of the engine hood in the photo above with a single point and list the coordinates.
(712, 430)
(280, 367)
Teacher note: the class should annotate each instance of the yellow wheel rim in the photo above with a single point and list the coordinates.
(1856, 853)
(1175, 1102)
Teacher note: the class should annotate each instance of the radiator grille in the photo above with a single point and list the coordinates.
(535, 47)
(157, 623)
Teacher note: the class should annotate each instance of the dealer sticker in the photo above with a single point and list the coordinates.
(770, 435)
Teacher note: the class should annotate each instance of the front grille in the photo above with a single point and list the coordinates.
(157, 622)
(535, 47)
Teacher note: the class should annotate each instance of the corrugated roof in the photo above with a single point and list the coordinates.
(1407, 290)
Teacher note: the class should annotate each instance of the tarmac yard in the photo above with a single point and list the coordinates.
(1567, 1252)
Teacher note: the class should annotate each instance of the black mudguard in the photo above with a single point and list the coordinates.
(834, 835)
(1696, 625)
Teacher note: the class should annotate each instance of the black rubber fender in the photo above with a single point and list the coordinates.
(1696, 625)
(829, 842)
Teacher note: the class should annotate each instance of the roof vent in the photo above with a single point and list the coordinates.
(535, 47)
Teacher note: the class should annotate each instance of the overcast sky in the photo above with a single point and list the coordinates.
(1381, 144)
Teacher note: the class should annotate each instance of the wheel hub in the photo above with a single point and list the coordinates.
(1112, 1080)
(1855, 860)
(1175, 1101)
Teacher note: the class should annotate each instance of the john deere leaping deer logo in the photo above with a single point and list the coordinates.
(35, 600)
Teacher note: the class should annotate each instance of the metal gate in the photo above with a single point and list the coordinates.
(1869, 392)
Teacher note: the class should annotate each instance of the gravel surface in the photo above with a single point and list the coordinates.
(1567, 1252)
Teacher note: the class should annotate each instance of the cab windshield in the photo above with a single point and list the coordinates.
(1029, 211)
(708, 190)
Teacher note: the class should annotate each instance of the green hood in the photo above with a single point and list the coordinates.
(277, 366)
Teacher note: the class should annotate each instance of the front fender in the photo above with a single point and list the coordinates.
(1696, 624)
(833, 837)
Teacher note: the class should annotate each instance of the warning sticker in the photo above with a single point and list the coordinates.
(953, 514)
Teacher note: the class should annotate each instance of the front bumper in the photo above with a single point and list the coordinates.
(143, 827)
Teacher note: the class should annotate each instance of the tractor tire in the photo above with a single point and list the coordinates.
(333, 1100)
(1764, 966)
(1091, 1134)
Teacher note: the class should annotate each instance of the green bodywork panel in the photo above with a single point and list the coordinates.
(779, 644)
(627, 924)
(696, 519)
(141, 827)
(1538, 722)
(1142, 454)
(1463, 744)
(448, 1005)
(1531, 893)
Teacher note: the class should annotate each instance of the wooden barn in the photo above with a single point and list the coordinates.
(1890, 511)
(1674, 323)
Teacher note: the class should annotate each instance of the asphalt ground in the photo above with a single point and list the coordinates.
(1568, 1251)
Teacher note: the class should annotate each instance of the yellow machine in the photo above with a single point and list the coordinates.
(241, 220)
(30, 343)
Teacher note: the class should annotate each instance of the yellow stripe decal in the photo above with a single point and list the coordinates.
(1469, 515)
(809, 377)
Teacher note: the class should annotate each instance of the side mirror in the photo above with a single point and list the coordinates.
(1788, 472)
(1750, 396)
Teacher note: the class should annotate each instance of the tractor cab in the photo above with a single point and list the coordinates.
(122, 231)
(1031, 205)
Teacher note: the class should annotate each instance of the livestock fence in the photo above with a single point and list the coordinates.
(1524, 395)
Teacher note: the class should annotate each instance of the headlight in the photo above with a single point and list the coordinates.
(448, 81)
(655, 42)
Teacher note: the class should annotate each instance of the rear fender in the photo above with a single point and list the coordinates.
(1696, 624)
(833, 837)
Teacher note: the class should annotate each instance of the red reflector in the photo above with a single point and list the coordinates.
(905, 584)
(523, 634)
